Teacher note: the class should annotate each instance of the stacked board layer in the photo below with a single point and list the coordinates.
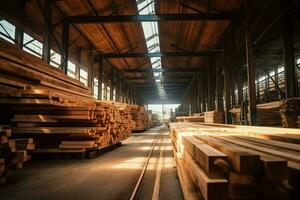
(237, 162)
(13, 153)
(41, 102)
(290, 112)
(141, 118)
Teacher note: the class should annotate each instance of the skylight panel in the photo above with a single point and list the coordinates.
(150, 29)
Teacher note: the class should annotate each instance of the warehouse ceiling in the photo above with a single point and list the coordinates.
(157, 55)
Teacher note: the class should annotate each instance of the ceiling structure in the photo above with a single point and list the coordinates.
(157, 45)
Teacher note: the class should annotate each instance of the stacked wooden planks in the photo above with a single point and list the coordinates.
(239, 162)
(13, 153)
(57, 111)
(289, 111)
(190, 118)
(155, 120)
(214, 117)
(141, 117)
(25, 79)
(72, 129)
(267, 114)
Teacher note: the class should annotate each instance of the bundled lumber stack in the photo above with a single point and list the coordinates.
(214, 117)
(155, 120)
(57, 111)
(25, 79)
(141, 117)
(13, 153)
(289, 111)
(190, 118)
(267, 114)
(72, 129)
(237, 162)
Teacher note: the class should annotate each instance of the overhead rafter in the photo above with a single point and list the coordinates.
(164, 70)
(91, 19)
(160, 54)
(157, 77)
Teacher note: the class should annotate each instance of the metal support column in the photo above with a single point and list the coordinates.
(65, 46)
(289, 59)
(100, 79)
(47, 33)
(19, 34)
(250, 75)
(226, 89)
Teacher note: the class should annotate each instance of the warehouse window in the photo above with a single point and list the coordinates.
(95, 88)
(114, 94)
(83, 76)
(280, 69)
(55, 59)
(32, 46)
(108, 93)
(7, 31)
(71, 69)
(102, 91)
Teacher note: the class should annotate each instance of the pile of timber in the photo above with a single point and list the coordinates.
(290, 111)
(194, 118)
(25, 79)
(267, 114)
(13, 153)
(220, 161)
(141, 117)
(214, 117)
(62, 129)
(155, 120)
(57, 111)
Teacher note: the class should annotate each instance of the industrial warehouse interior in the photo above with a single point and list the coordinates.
(150, 99)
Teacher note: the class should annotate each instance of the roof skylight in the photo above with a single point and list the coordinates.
(147, 7)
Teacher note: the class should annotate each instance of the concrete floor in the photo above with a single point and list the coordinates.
(112, 175)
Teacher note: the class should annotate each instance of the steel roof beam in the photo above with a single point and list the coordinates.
(160, 54)
(91, 19)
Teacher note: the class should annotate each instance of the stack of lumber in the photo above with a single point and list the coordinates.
(213, 117)
(141, 117)
(13, 153)
(190, 118)
(155, 120)
(267, 114)
(289, 111)
(25, 79)
(237, 162)
(72, 129)
(57, 111)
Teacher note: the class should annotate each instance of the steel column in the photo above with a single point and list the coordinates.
(65, 46)
(250, 74)
(100, 79)
(289, 59)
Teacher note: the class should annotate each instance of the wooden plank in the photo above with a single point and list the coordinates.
(241, 160)
(206, 156)
(211, 189)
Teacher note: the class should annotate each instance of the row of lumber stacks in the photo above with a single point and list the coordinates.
(25, 79)
(141, 118)
(155, 120)
(214, 117)
(267, 114)
(290, 112)
(238, 162)
(72, 129)
(13, 153)
(197, 117)
(57, 111)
